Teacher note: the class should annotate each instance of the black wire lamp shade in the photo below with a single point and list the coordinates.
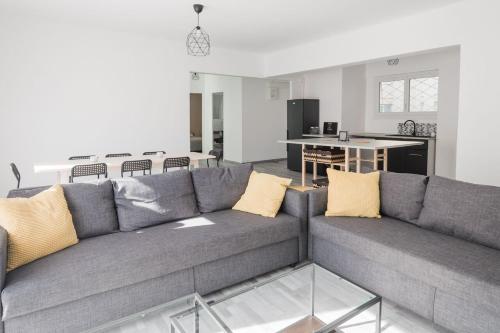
(198, 41)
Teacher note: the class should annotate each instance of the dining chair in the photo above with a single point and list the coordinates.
(81, 157)
(176, 162)
(137, 165)
(153, 152)
(16, 173)
(82, 170)
(118, 155)
(218, 156)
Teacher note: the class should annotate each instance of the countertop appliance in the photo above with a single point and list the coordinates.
(330, 127)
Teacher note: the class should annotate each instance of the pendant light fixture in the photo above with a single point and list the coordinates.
(198, 41)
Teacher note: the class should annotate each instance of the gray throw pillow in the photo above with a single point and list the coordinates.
(463, 210)
(402, 195)
(91, 204)
(149, 200)
(220, 188)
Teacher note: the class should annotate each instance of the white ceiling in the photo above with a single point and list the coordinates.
(254, 25)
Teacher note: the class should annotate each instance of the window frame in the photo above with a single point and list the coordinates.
(406, 77)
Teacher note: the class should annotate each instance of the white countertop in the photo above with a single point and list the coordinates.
(373, 135)
(356, 143)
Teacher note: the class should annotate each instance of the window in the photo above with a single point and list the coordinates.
(424, 94)
(408, 93)
(392, 96)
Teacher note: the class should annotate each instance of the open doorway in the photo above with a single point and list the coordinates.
(196, 134)
(242, 117)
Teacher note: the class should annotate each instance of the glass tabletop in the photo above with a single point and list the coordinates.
(198, 317)
(306, 299)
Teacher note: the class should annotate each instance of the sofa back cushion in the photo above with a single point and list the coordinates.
(149, 200)
(463, 210)
(220, 188)
(92, 206)
(402, 195)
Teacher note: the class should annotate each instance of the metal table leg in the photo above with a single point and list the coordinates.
(378, 323)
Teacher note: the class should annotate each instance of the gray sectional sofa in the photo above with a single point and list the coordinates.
(435, 251)
(145, 241)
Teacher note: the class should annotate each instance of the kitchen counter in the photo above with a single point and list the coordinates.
(357, 144)
(418, 160)
(374, 135)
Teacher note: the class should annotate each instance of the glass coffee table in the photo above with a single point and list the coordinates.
(306, 299)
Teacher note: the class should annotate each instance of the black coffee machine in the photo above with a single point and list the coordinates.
(330, 127)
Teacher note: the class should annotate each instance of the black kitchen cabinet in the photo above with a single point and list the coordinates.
(302, 114)
(411, 159)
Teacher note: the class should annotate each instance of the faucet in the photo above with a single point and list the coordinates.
(414, 127)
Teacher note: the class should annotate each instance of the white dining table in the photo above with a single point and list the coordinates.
(63, 168)
(357, 144)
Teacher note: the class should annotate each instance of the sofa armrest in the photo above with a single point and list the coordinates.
(318, 200)
(295, 204)
(3, 256)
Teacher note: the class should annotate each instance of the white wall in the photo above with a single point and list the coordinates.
(67, 90)
(472, 24)
(253, 123)
(353, 98)
(53, 76)
(264, 120)
(325, 85)
(447, 63)
(198, 86)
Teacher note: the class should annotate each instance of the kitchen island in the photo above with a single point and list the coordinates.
(358, 144)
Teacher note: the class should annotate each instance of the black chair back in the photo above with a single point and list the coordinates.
(82, 170)
(118, 155)
(81, 157)
(138, 165)
(176, 162)
(218, 156)
(16, 173)
(153, 152)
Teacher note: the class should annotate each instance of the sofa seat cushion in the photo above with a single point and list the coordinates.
(459, 267)
(104, 263)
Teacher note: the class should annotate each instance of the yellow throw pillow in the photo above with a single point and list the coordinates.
(36, 226)
(353, 194)
(263, 195)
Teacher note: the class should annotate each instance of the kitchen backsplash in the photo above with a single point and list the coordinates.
(423, 129)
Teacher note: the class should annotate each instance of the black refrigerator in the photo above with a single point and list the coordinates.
(302, 114)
